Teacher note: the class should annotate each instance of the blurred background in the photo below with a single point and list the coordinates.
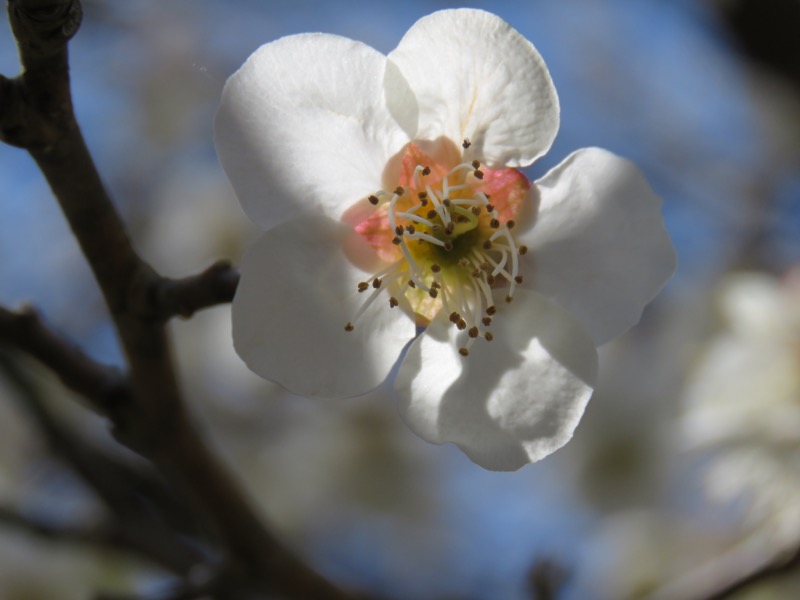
(686, 467)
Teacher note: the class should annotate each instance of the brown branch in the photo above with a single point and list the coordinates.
(183, 297)
(38, 116)
(140, 504)
(102, 385)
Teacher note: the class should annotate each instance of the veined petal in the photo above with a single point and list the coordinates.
(477, 78)
(599, 247)
(297, 292)
(303, 127)
(511, 401)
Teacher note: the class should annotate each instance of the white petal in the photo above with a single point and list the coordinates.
(297, 292)
(511, 401)
(476, 77)
(598, 245)
(303, 126)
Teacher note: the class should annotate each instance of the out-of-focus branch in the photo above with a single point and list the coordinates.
(37, 115)
(39, 527)
(102, 385)
(751, 562)
(143, 517)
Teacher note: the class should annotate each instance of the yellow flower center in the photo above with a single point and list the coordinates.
(448, 246)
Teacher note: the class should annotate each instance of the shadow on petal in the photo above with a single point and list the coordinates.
(511, 401)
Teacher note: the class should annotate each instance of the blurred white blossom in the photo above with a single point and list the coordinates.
(743, 403)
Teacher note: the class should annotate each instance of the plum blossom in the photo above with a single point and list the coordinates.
(399, 226)
(741, 404)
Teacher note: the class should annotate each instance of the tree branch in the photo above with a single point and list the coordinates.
(183, 297)
(152, 420)
(102, 385)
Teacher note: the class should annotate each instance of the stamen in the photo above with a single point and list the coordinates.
(427, 237)
(466, 144)
(348, 327)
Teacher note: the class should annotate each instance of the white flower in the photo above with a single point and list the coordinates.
(388, 189)
(742, 402)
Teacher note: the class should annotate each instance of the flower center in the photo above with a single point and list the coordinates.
(446, 232)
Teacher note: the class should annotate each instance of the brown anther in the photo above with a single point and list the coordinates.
(435, 268)
(422, 195)
(448, 245)
(449, 228)
(473, 332)
(433, 292)
(510, 223)
(508, 299)
(446, 202)
(523, 250)
(476, 210)
(476, 164)
(376, 283)
(490, 207)
(373, 200)
(423, 201)
(488, 335)
(478, 174)
(463, 352)
(494, 223)
(397, 241)
(411, 229)
(411, 284)
(476, 272)
(463, 262)
(398, 230)
(348, 327)
(363, 286)
(486, 321)
(454, 317)
(462, 324)
(518, 278)
(436, 285)
(487, 245)
(426, 171)
(490, 310)
(490, 279)
(399, 190)
(466, 144)
(393, 302)
(431, 213)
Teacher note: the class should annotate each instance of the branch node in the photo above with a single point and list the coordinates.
(44, 26)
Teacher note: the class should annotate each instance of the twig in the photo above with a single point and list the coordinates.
(101, 384)
(140, 506)
(183, 297)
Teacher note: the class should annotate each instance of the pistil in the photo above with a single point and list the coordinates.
(453, 247)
